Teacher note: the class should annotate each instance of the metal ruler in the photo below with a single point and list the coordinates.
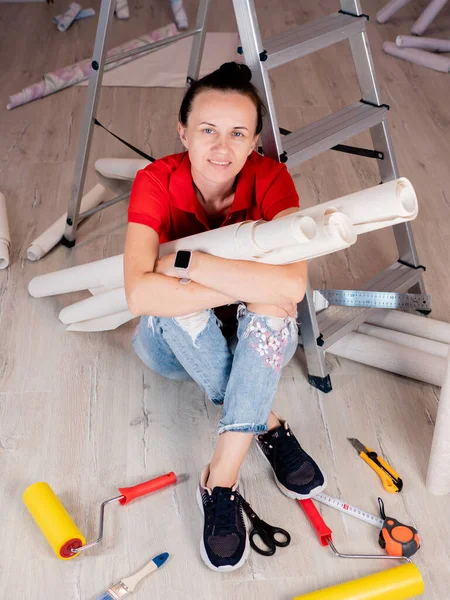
(349, 510)
(369, 299)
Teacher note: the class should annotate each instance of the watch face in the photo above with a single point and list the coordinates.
(182, 259)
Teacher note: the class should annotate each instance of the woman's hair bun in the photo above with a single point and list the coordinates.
(236, 71)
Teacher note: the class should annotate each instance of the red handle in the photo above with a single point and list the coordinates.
(316, 520)
(130, 493)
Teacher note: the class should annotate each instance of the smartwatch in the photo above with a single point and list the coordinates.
(182, 263)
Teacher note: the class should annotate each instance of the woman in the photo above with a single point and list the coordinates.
(220, 180)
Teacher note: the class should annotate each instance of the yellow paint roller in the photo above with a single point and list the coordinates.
(53, 520)
(58, 528)
(399, 583)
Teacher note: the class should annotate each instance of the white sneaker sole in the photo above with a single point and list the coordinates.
(204, 555)
(289, 493)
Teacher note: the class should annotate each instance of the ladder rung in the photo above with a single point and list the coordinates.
(334, 325)
(317, 137)
(304, 39)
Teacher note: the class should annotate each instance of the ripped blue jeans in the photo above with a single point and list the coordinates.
(242, 375)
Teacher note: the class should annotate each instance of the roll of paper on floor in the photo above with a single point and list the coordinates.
(53, 520)
(399, 583)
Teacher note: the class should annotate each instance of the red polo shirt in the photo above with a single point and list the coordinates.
(163, 196)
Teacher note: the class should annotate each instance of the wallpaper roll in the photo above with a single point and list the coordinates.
(68, 76)
(104, 323)
(413, 324)
(120, 168)
(52, 236)
(108, 303)
(374, 208)
(391, 357)
(101, 273)
(390, 9)
(438, 475)
(368, 209)
(427, 16)
(425, 43)
(5, 237)
(122, 9)
(66, 20)
(405, 339)
(419, 57)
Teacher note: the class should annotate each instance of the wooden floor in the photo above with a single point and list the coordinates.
(81, 412)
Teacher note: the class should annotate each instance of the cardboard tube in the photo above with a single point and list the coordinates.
(427, 16)
(413, 324)
(404, 339)
(419, 57)
(390, 357)
(438, 475)
(373, 208)
(120, 168)
(390, 9)
(104, 323)
(52, 236)
(399, 583)
(425, 43)
(5, 237)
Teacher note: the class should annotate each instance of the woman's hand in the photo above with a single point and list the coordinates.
(164, 266)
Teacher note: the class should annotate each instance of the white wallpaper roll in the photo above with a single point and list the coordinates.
(52, 236)
(413, 324)
(120, 168)
(425, 43)
(438, 475)
(427, 16)
(108, 303)
(374, 208)
(105, 323)
(233, 241)
(405, 339)
(5, 237)
(419, 57)
(390, 357)
(390, 9)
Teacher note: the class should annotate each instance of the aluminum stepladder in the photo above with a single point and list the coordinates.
(319, 333)
(94, 87)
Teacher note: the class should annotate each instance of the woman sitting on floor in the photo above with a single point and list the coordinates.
(184, 332)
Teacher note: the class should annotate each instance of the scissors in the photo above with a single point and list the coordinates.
(267, 533)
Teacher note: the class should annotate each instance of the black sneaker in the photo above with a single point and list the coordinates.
(224, 544)
(296, 473)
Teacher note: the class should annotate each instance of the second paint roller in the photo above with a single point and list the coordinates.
(54, 521)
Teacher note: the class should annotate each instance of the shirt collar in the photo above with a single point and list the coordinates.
(182, 191)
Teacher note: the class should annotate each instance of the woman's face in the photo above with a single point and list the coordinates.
(220, 134)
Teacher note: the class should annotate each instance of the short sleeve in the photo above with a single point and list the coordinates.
(148, 201)
(280, 194)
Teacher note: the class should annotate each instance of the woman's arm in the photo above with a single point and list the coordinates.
(150, 293)
(251, 282)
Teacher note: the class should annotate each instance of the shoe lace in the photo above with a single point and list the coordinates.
(287, 454)
(222, 506)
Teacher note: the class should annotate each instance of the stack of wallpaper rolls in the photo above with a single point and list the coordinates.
(304, 235)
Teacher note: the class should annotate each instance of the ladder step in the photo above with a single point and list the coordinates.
(339, 321)
(308, 38)
(317, 137)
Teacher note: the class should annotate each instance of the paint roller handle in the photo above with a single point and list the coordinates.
(147, 487)
(323, 531)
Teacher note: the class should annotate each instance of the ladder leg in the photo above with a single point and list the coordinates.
(311, 340)
(195, 60)
(380, 135)
(255, 57)
(94, 87)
